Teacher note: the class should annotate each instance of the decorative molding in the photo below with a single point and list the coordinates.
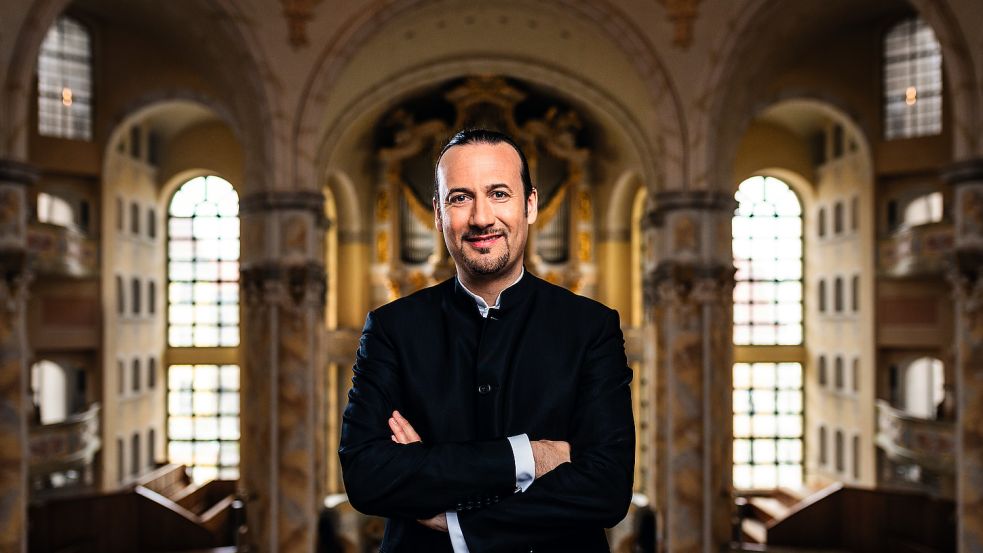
(301, 282)
(964, 172)
(17, 172)
(286, 201)
(682, 14)
(673, 284)
(665, 202)
(298, 13)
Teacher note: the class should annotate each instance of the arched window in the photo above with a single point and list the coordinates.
(203, 328)
(923, 387)
(912, 81)
(767, 393)
(65, 81)
(767, 231)
(823, 378)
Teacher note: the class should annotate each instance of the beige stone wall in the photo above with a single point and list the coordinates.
(129, 407)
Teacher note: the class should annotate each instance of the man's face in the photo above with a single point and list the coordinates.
(481, 208)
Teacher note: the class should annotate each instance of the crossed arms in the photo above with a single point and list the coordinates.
(419, 481)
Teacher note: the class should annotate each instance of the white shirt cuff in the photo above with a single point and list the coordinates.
(525, 463)
(457, 536)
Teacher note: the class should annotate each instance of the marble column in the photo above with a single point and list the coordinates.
(689, 295)
(966, 275)
(15, 408)
(282, 443)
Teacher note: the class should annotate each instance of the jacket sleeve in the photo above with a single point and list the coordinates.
(414, 481)
(594, 489)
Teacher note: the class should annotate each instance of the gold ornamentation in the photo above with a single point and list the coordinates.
(583, 246)
(382, 246)
(382, 206)
(682, 14)
(584, 208)
(298, 13)
(417, 280)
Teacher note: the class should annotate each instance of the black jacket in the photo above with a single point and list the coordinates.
(548, 363)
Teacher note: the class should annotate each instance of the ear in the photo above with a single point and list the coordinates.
(532, 206)
(438, 220)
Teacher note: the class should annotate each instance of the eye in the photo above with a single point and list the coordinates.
(500, 195)
(457, 198)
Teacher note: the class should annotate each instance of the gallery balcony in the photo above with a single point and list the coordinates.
(62, 251)
(916, 454)
(61, 453)
(916, 251)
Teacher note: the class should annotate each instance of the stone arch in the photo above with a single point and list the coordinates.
(248, 109)
(350, 222)
(617, 220)
(719, 119)
(669, 129)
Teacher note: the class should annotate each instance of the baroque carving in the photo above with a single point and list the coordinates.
(674, 284)
(287, 285)
(682, 14)
(298, 13)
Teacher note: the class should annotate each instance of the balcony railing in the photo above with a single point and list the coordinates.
(916, 251)
(69, 445)
(62, 251)
(927, 443)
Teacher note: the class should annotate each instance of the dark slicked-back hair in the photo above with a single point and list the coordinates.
(484, 136)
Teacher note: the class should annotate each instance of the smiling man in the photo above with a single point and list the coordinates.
(491, 412)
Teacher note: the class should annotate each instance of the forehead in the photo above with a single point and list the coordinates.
(478, 165)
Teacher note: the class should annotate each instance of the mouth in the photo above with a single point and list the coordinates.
(483, 241)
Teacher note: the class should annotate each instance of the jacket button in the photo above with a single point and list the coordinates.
(484, 389)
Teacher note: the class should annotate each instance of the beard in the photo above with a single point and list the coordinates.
(479, 262)
(487, 265)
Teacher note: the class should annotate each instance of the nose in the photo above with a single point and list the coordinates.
(482, 213)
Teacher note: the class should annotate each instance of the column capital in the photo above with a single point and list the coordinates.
(18, 172)
(963, 172)
(275, 281)
(672, 282)
(286, 200)
(694, 200)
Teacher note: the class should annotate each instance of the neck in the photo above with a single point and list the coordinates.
(489, 287)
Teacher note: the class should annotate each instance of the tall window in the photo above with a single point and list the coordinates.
(912, 81)
(767, 234)
(768, 254)
(65, 81)
(203, 265)
(203, 328)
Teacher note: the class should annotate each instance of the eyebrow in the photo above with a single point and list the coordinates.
(489, 187)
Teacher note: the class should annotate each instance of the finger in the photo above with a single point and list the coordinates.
(407, 428)
(397, 431)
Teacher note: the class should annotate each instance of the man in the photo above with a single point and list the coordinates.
(491, 412)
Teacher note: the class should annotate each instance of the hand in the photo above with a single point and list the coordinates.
(549, 455)
(403, 432)
(438, 523)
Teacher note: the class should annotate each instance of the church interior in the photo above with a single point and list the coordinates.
(201, 200)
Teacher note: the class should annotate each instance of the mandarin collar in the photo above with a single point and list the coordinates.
(508, 299)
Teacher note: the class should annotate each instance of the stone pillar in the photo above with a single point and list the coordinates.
(966, 275)
(689, 295)
(15, 408)
(282, 443)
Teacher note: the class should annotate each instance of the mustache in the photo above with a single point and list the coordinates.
(474, 233)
